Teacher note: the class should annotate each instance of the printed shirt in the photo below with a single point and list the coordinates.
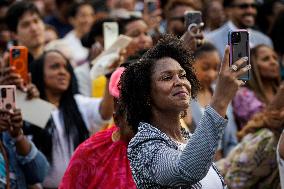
(156, 161)
(252, 164)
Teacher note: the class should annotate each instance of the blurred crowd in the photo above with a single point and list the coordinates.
(84, 143)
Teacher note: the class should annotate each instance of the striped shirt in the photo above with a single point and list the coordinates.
(156, 162)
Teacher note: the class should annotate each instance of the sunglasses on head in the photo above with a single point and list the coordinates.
(245, 5)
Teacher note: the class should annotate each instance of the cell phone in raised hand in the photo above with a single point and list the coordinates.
(193, 19)
(8, 97)
(19, 59)
(238, 40)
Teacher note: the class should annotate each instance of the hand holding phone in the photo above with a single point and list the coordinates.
(238, 41)
(19, 60)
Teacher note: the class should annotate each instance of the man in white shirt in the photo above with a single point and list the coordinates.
(241, 15)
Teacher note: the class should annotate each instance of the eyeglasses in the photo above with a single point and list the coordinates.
(245, 5)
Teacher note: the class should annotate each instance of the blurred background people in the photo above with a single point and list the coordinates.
(74, 119)
(24, 21)
(81, 16)
(134, 27)
(252, 163)
(241, 15)
(276, 32)
(262, 86)
(174, 13)
(207, 62)
(50, 34)
(60, 17)
(213, 15)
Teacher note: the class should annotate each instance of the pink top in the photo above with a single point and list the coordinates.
(245, 105)
(99, 163)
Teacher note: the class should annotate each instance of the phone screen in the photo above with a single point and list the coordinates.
(239, 47)
(8, 97)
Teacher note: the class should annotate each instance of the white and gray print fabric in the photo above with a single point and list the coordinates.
(157, 163)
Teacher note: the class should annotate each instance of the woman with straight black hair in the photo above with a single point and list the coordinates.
(75, 117)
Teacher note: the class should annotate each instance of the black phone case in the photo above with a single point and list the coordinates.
(239, 50)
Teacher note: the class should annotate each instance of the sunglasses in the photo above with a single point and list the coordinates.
(245, 5)
(181, 18)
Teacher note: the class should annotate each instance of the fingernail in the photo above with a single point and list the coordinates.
(245, 58)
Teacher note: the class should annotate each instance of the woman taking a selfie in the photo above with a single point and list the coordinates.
(155, 93)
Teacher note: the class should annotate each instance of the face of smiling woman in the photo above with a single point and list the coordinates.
(56, 76)
(170, 89)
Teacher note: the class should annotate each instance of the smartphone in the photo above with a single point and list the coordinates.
(193, 19)
(110, 31)
(19, 59)
(152, 5)
(238, 40)
(8, 97)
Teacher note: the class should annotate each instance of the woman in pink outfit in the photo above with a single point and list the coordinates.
(101, 161)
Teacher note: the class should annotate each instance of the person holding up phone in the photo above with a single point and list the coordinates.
(155, 94)
(20, 161)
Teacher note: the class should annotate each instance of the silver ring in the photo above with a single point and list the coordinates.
(234, 68)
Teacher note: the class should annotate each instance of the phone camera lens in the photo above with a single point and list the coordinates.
(3, 93)
(16, 53)
(236, 37)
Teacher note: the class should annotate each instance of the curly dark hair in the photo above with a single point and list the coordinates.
(135, 83)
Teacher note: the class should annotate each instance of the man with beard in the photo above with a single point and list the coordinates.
(241, 15)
